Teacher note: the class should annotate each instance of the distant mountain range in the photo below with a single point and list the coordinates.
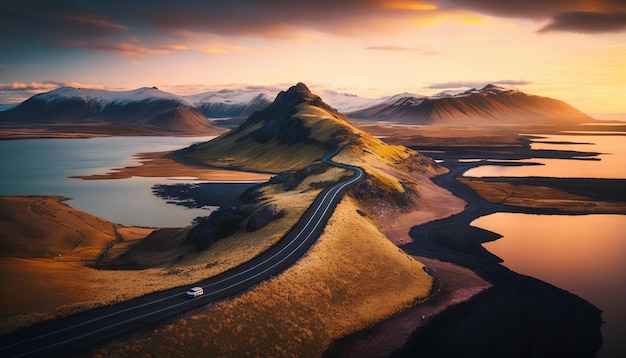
(152, 108)
(489, 105)
(295, 130)
(145, 110)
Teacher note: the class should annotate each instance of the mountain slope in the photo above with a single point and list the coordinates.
(295, 130)
(489, 105)
(147, 108)
(298, 129)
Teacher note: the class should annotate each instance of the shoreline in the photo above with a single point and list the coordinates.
(454, 241)
(447, 244)
(14, 131)
(517, 308)
(166, 164)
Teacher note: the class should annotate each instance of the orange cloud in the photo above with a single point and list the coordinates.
(176, 47)
(430, 21)
(224, 49)
(19, 91)
(33, 86)
(410, 5)
(125, 48)
(301, 40)
(42, 86)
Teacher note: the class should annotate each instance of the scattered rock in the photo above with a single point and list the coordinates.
(322, 184)
(292, 179)
(264, 216)
(220, 224)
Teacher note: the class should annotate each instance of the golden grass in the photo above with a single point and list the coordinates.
(396, 167)
(234, 150)
(37, 228)
(241, 246)
(533, 196)
(247, 155)
(445, 135)
(351, 278)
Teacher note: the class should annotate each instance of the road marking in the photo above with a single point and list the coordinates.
(323, 202)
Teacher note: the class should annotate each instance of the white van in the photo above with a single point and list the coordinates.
(194, 292)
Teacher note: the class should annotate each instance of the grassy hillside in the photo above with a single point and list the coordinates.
(351, 278)
(294, 131)
(298, 129)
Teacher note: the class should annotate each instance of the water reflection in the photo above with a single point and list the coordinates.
(43, 167)
(585, 255)
(612, 163)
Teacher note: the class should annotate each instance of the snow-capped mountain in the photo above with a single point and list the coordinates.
(231, 103)
(156, 109)
(148, 108)
(489, 105)
(106, 98)
(78, 105)
(347, 102)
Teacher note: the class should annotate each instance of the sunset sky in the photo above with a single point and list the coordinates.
(573, 50)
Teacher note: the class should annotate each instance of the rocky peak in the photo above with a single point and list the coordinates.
(284, 106)
(495, 89)
(296, 95)
(279, 120)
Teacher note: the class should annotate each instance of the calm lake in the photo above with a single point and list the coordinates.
(43, 167)
(585, 255)
(612, 163)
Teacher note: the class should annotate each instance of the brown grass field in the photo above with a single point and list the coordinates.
(545, 197)
(352, 277)
(454, 284)
(164, 164)
(47, 249)
(44, 270)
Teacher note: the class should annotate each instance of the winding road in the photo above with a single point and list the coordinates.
(73, 334)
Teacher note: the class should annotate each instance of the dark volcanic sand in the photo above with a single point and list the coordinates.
(519, 316)
(202, 194)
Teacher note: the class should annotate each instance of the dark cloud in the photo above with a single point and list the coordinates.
(578, 16)
(475, 84)
(514, 8)
(47, 19)
(62, 22)
(586, 23)
(80, 20)
(534, 9)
